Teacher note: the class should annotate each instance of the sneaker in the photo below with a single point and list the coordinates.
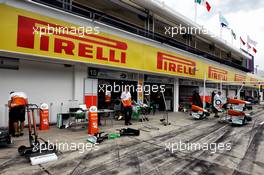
(129, 123)
(120, 117)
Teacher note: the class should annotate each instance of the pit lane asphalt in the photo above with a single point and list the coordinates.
(146, 154)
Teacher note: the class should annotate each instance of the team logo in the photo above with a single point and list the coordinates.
(175, 64)
(253, 81)
(217, 74)
(240, 78)
(90, 46)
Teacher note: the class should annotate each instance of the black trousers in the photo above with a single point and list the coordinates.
(128, 114)
(16, 114)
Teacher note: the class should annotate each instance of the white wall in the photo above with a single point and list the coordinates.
(231, 93)
(42, 82)
(208, 91)
(80, 74)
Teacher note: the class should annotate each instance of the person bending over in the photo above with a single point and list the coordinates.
(17, 104)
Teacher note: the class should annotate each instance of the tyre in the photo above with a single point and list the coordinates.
(244, 121)
(248, 118)
(22, 150)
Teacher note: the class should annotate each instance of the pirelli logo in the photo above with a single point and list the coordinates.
(175, 64)
(90, 46)
(253, 81)
(217, 74)
(240, 78)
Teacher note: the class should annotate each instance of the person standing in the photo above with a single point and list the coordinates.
(196, 99)
(217, 103)
(17, 104)
(107, 99)
(126, 101)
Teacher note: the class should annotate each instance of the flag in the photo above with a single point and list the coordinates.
(254, 50)
(223, 21)
(204, 3)
(198, 1)
(249, 40)
(208, 6)
(233, 34)
(242, 41)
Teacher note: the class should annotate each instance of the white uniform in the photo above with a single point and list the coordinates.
(218, 101)
(125, 95)
(18, 94)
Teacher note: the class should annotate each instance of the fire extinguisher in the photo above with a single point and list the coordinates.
(44, 117)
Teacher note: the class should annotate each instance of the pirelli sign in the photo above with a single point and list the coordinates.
(90, 46)
(240, 78)
(25, 32)
(175, 64)
(217, 73)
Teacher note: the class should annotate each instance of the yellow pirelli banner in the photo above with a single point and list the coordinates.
(30, 33)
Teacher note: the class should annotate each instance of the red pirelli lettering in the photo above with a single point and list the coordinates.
(85, 50)
(61, 44)
(240, 78)
(217, 74)
(107, 49)
(172, 63)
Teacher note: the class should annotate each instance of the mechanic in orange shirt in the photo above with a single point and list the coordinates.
(17, 104)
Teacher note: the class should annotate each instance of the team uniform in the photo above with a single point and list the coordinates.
(217, 104)
(126, 101)
(18, 101)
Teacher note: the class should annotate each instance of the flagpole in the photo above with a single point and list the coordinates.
(232, 37)
(240, 49)
(240, 42)
(195, 12)
(247, 45)
(204, 86)
(220, 26)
